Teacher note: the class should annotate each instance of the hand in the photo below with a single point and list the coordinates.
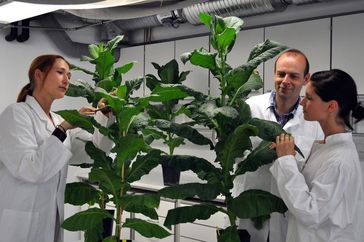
(103, 107)
(285, 145)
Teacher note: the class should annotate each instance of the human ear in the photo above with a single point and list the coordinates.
(306, 78)
(38, 75)
(333, 106)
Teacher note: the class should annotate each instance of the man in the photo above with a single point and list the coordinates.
(291, 73)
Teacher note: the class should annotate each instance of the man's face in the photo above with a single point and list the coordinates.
(289, 76)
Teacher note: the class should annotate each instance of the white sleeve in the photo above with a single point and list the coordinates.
(22, 155)
(311, 205)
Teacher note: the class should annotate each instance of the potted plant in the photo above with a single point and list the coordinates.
(131, 157)
(163, 115)
(229, 117)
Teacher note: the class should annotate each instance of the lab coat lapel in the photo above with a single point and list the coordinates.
(34, 105)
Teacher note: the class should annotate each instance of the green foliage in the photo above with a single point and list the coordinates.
(229, 117)
(164, 114)
(113, 174)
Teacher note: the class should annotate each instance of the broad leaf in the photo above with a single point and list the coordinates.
(79, 193)
(203, 168)
(184, 131)
(234, 146)
(189, 190)
(260, 156)
(143, 204)
(204, 59)
(255, 203)
(77, 119)
(146, 229)
(189, 214)
(85, 220)
(143, 165)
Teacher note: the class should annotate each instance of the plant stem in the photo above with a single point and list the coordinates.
(118, 207)
(235, 96)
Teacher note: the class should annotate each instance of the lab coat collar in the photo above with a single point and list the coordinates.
(34, 105)
(340, 137)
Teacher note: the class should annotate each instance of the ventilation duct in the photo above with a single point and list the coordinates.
(225, 8)
(299, 2)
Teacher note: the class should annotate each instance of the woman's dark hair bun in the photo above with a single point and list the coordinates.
(358, 112)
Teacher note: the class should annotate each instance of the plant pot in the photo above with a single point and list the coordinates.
(243, 235)
(171, 175)
(107, 224)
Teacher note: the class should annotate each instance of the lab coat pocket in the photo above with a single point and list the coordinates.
(15, 225)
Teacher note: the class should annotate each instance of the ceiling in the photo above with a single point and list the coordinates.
(146, 21)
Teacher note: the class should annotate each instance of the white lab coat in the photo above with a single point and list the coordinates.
(33, 170)
(325, 201)
(304, 133)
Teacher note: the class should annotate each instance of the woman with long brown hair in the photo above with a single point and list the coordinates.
(36, 145)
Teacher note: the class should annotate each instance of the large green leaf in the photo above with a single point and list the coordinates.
(125, 68)
(269, 130)
(234, 146)
(204, 59)
(260, 156)
(255, 203)
(113, 43)
(77, 119)
(165, 93)
(226, 39)
(143, 165)
(107, 181)
(129, 146)
(188, 190)
(184, 131)
(104, 65)
(146, 229)
(81, 89)
(98, 156)
(189, 214)
(85, 220)
(169, 72)
(203, 168)
(210, 109)
(79, 193)
(265, 51)
(144, 204)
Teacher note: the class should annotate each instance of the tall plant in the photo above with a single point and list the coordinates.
(130, 158)
(163, 115)
(229, 117)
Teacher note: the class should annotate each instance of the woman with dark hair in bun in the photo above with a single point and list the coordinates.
(325, 198)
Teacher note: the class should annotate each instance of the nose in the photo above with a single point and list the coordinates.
(303, 101)
(286, 80)
(66, 80)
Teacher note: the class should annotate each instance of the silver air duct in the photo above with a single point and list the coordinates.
(225, 8)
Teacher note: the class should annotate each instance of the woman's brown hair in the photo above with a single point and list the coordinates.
(44, 63)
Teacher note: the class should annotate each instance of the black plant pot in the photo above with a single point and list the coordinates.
(108, 227)
(171, 175)
(243, 235)
(107, 224)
